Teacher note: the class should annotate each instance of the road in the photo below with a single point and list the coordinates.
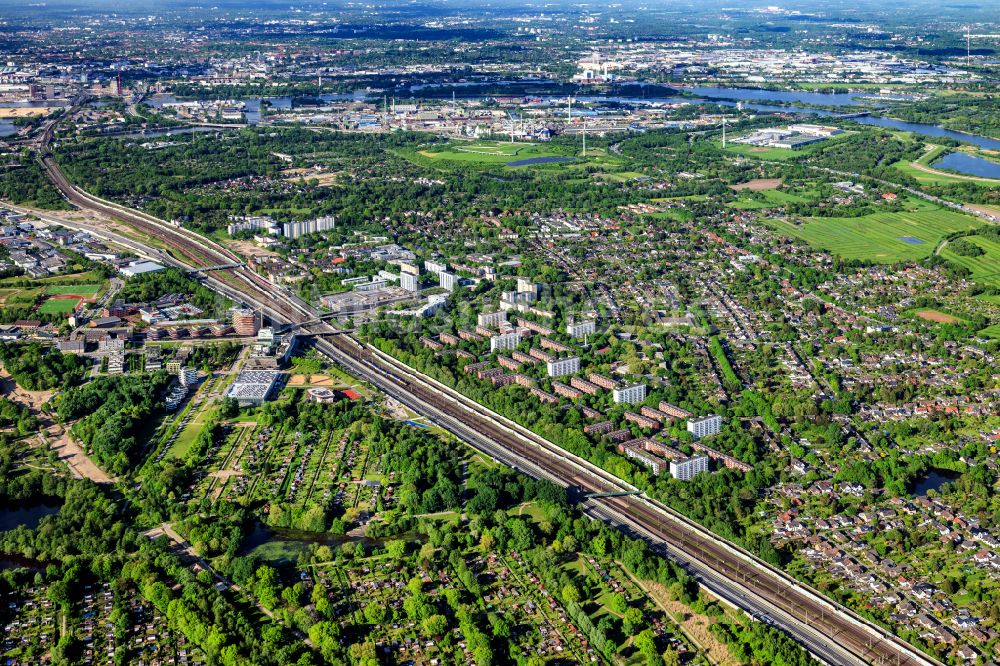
(830, 631)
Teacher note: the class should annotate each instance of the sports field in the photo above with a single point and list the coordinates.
(882, 237)
(58, 305)
(986, 268)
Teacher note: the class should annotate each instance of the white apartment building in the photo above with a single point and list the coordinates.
(705, 426)
(505, 341)
(409, 282)
(188, 376)
(563, 366)
(629, 395)
(434, 266)
(448, 280)
(686, 469)
(581, 329)
(492, 319)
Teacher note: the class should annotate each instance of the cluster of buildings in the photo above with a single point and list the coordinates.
(268, 226)
(792, 137)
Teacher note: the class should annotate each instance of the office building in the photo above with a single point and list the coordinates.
(629, 395)
(245, 322)
(686, 469)
(253, 387)
(563, 366)
(705, 426)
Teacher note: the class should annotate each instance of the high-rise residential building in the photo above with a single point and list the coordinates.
(504, 341)
(705, 426)
(686, 469)
(629, 395)
(245, 322)
(581, 329)
(563, 366)
(448, 280)
(188, 376)
(492, 319)
(434, 266)
(409, 281)
(297, 229)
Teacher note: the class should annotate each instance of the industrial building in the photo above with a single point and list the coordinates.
(253, 387)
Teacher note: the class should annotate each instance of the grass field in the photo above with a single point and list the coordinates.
(986, 268)
(766, 199)
(481, 152)
(58, 306)
(88, 290)
(879, 237)
(991, 332)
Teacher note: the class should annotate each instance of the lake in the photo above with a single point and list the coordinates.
(934, 479)
(28, 514)
(7, 128)
(970, 165)
(539, 160)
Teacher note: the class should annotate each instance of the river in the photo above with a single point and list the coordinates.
(29, 514)
(749, 97)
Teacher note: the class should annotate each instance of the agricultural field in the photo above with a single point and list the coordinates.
(985, 268)
(881, 237)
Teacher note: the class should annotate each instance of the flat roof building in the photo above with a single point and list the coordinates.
(705, 426)
(563, 366)
(629, 395)
(686, 469)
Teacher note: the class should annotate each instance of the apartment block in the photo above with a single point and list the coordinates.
(705, 426)
(564, 366)
(629, 395)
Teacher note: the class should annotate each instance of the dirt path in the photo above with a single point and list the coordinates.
(51, 434)
(695, 627)
(58, 439)
(948, 174)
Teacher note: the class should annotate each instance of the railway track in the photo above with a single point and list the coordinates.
(832, 632)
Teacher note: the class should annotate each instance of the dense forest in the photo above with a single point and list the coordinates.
(38, 368)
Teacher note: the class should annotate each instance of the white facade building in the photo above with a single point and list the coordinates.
(409, 282)
(686, 469)
(705, 426)
(629, 395)
(448, 280)
(505, 341)
(563, 366)
(188, 376)
(581, 329)
(491, 319)
(434, 266)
